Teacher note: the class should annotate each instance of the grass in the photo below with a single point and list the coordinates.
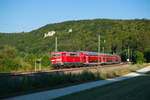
(12, 86)
(136, 88)
(114, 72)
(26, 69)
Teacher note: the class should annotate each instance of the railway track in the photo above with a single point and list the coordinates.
(62, 71)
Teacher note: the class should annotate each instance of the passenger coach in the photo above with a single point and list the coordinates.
(72, 59)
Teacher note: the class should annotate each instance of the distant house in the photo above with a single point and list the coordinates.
(70, 30)
(51, 33)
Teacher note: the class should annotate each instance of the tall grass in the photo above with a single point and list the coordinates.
(17, 85)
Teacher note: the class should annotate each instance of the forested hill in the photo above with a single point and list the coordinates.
(83, 35)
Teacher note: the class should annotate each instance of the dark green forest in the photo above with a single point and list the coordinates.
(117, 34)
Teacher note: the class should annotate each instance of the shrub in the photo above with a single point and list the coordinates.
(139, 57)
(147, 54)
(8, 59)
(25, 66)
(9, 51)
(30, 58)
(45, 61)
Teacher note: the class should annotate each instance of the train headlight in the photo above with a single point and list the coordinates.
(58, 59)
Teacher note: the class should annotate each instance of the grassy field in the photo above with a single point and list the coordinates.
(12, 86)
(137, 88)
(31, 69)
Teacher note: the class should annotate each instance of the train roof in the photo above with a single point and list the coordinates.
(89, 53)
(65, 52)
(94, 53)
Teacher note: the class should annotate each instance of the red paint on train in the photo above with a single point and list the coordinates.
(60, 59)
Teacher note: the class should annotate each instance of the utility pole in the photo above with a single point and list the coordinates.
(128, 55)
(40, 64)
(131, 55)
(104, 47)
(35, 66)
(98, 47)
(56, 44)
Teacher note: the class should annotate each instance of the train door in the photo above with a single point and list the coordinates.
(99, 59)
(105, 59)
(86, 58)
(64, 57)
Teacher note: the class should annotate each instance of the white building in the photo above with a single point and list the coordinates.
(70, 30)
(51, 33)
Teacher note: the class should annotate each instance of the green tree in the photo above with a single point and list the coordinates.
(123, 55)
(139, 57)
(8, 59)
(30, 58)
(45, 61)
(10, 51)
(147, 54)
(119, 34)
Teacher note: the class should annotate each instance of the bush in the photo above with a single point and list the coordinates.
(123, 56)
(30, 58)
(9, 51)
(139, 57)
(45, 61)
(147, 54)
(8, 59)
(8, 64)
(25, 66)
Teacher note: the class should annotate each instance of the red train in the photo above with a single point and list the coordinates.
(60, 59)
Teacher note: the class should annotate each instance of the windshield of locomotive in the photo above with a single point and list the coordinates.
(56, 55)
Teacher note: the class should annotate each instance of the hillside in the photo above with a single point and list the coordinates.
(83, 35)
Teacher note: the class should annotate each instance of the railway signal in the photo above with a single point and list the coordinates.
(38, 61)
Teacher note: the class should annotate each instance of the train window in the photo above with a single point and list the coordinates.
(63, 54)
(68, 54)
(72, 55)
(56, 55)
(109, 56)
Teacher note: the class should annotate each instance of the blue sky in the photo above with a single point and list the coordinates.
(27, 15)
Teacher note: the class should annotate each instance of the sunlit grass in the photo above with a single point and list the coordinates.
(10, 86)
(136, 88)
